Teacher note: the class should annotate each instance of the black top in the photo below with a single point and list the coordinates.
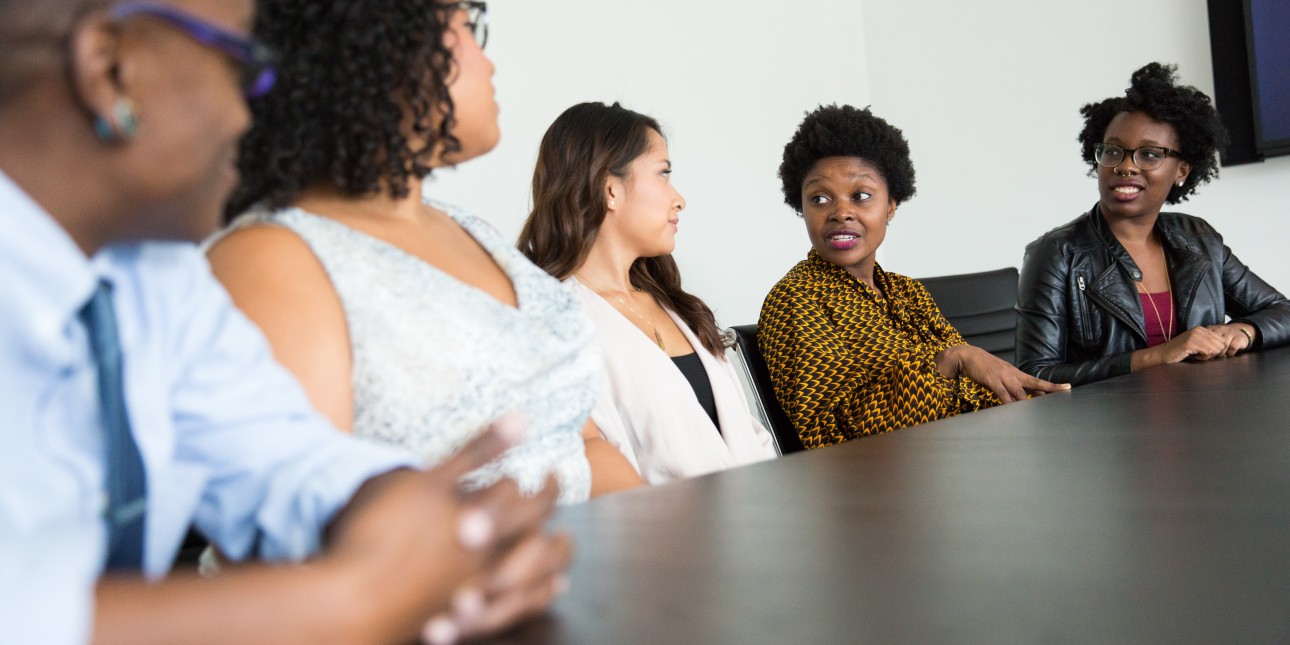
(692, 368)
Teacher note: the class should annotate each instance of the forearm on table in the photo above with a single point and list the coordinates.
(1145, 359)
(316, 603)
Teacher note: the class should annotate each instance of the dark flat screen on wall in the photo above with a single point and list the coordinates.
(1268, 25)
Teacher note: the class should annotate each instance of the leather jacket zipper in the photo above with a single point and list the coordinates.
(1084, 313)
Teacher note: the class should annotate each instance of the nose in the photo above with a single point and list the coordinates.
(844, 213)
(679, 204)
(1126, 167)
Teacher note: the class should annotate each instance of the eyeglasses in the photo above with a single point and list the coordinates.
(255, 60)
(476, 18)
(1145, 157)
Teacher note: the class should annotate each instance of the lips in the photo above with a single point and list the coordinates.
(1126, 191)
(842, 239)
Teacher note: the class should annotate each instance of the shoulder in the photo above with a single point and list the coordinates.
(586, 298)
(1187, 225)
(164, 267)
(1076, 233)
(261, 248)
(798, 280)
(906, 286)
(170, 291)
(269, 268)
(463, 217)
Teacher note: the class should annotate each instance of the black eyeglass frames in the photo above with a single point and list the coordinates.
(1145, 157)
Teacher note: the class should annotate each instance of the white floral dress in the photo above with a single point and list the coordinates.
(435, 359)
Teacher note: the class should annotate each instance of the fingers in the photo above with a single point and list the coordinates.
(1197, 343)
(1015, 391)
(1039, 386)
(1236, 343)
(537, 559)
(1016, 385)
(527, 582)
(1207, 344)
(500, 435)
(500, 515)
(516, 607)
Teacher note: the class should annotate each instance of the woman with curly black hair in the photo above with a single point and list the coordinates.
(854, 350)
(406, 320)
(1124, 286)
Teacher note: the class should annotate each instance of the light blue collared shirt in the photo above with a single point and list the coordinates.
(228, 438)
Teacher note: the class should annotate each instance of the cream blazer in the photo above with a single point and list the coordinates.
(648, 410)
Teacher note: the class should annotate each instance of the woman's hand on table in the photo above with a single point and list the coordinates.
(1000, 377)
(1238, 336)
(1197, 343)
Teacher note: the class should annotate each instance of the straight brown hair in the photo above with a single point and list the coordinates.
(582, 148)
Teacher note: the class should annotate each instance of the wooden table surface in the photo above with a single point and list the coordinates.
(1153, 507)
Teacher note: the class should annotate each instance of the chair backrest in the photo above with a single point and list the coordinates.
(758, 376)
(982, 306)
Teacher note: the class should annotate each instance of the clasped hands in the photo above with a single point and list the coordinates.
(432, 559)
(1206, 343)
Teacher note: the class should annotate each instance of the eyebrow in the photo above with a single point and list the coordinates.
(818, 178)
(1145, 142)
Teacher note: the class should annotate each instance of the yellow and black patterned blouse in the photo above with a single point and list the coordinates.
(847, 362)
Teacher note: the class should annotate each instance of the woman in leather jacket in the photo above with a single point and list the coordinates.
(1125, 287)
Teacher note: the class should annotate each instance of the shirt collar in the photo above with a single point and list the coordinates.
(41, 266)
(841, 276)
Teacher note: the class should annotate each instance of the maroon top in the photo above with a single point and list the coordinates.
(1159, 320)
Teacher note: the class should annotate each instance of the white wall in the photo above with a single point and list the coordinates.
(728, 80)
(973, 89)
(970, 85)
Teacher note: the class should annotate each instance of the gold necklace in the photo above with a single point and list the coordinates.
(658, 338)
(1161, 321)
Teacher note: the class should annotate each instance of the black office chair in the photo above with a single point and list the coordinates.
(758, 375)
(982, 306)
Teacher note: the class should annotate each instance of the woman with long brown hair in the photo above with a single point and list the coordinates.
(604, 220)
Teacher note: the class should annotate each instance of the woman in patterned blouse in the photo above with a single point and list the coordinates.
(854, 350)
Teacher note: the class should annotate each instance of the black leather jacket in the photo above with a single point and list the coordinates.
(1079, 318)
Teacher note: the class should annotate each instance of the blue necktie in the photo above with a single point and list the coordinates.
(126, 481)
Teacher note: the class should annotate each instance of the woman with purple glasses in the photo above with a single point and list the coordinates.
(137, 401)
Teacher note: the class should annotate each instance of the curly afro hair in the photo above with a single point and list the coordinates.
(351, 76)
(845, 131)
(1154, 91)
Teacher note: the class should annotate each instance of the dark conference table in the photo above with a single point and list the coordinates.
(1153, 507)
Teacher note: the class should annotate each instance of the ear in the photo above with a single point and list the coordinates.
(95, 73)
(891, 210)
(1184, 169)
(614, 191)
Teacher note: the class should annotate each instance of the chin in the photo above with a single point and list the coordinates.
(471, 149)
(848, 258)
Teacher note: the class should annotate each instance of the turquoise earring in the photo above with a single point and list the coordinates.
(124, 124)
